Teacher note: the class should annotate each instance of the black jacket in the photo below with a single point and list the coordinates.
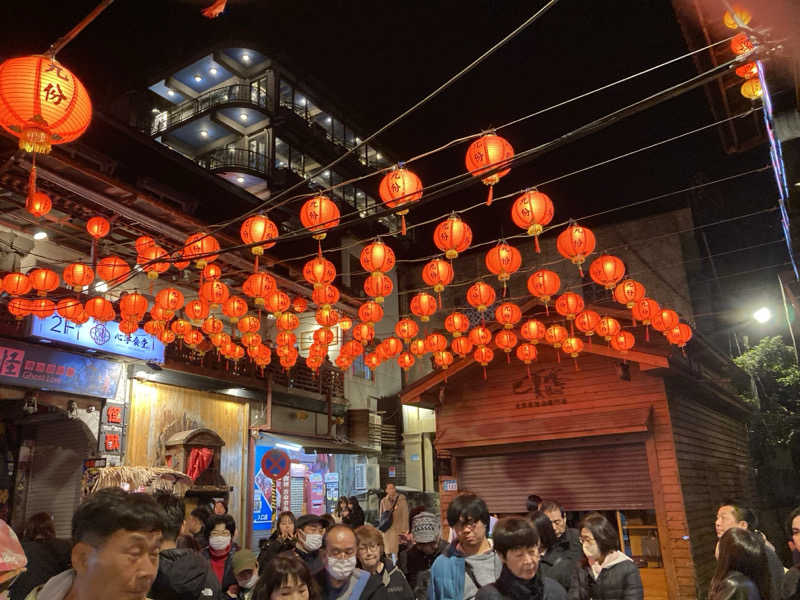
(355, 518)
(182, 575)
(394, 582)
(45, 559)
(272, 548)
(735, 587)
(228, 578)
(791, 584)
(312, 559)
(413, 562)
(510, 587)
(776, 572)
(617, 582)
(560, 561)
(373, 590)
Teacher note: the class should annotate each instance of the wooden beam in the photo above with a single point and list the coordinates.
(652, 360)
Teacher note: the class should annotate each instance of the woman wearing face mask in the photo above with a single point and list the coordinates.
(605, 572)
(372, 559)
(282, 540)
(286, 577)
(355, 516)
(220, 551)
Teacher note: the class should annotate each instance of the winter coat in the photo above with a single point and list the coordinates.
(447, 575)
(510, 587)
(355, 518)
(618, 579)
(391, 538)
(394, 582)
(776, 572)
(276, 545)
(558, 567)
(182, 575)
(56, 588)
(45, 559)
(413, 562)
(791, 584)
(735, 586)
(362, 585)
(312, 559)
(228, 578)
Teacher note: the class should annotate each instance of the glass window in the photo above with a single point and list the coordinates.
(286, 94)
(338, 132)
(300, 102)
(372, 156)
(361, 370)
(258, 92)
(324, 122)
(281, 153)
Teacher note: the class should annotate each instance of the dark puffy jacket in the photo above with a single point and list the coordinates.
(620, 581)
(509, 587)
(182, 575)
(776, 572)
(228, 578)
(735, 587)
(413, 562)
(272, 548)
(560, 561)
(355, 518)
(791, 584)
(45, 559)
(394, 582)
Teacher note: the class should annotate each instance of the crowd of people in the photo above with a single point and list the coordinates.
(133, 546)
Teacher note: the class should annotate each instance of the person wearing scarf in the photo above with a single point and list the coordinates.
(517, 543)
(220, 551)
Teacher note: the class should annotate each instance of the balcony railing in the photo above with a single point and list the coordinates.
(237, 159)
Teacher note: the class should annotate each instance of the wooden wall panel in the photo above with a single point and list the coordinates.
(158, 411)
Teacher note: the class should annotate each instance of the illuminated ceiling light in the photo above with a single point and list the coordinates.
(101, 287)
(213, 70)
(328, 120)
(762, 315)
(170, 93)
(360, 193)
(240, 179)
(358, 140)
(155, 110)
(301, 101)
(203, 133)
(198, 78)
(243, 116)
(40, 235)
(378, 156)
(245, 57)
(326, 174)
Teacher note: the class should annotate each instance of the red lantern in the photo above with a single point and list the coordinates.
(740, 15)
(258, 229)
(587, 321)
(391, 347)
(377, 258)
(607, 270)
(143, 242)
(488, 153)
(665, 320)
(69, 308)
(623, 341)
(43, 281)
(533, 330)
(503, 260)
(16, 284)
(483, 355)
(319, 271)
(370, 312)
(299, 304)
(154, 260)
(457, 324)
(438, 273)
(569, 304)
(480, 296)
(196, 309)
(406, 329)
(128, 326)
(257, 286)
(193, 338)
(277, 302)
(508, 314)
(751, 89)
(248, 323)
(319, 214)
(526, 352)
(212, 325)
(219, 339)
(452, 236)
(234, 308)
(343, 362)
(417, 347)
(645, 309)
(364, 332)
(406, 360)
(42, 307)
(100, 309)
(461, 345)
(748, 70)
(372, 360)
(679, 335)
(154, 328)
(178, 261)
(378, 287)
(214, 292)
(77, 276)
(423, 305)
(531, 212)
(327, 317)
(443, 359)
(287, 321)
(133, 305)
(159, 314)
(505, 340)
(112, 269)
(202, 248)
(325, 295)
(741, 44)
(19, 307)
(323, 336)
(180, 327)
(98, 227)
(555, 335)
(170, 299)
(608, 327)
(435, 342)
(544, 284)
(352, 348)
(167, 337)
(212, 271)
(42, 102)
(480, 336)
(629, 292)
(400, 187)
(576, 243)
(38, 203)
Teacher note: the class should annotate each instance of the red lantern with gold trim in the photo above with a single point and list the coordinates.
(506, 339)
(38, 203)
(277, 302)
(251, 339)
(69, 308)
(400, 187)
(461, 345)
(406, 329)
(132, 305)
(170, 298)
(372, 360)
(257, 286)
(503, 260)
(629, 292)
(16, 284)
(160, 314)
(154, 261)
(751, 89)
(326, 317)
(623, 341)
(587, 321)
(480, 335)
(508, 314)
(527, 352)
(679, 335)
(219, 339)
(417, 347)
(607, 270)
(43, 281)
(569, 304)
(325, 295)
(143, 242)
(644, 310)
(457, 323)
(435, 342)
(352, 348)
(364, 333)
(287, 321)
(608, 327)
(532, 211)
(572, 346)
(748, 70)
(319, 271)
(180, 327)
(423, 305)
(178, 261)
(488, 153)
(211, 272)
(533, 330)
(299, 304)
(406, 360)
(741, 44)
(19, 307)
(100, 309)
(576, 243)
(555, 335)
(112, 269)
(202, 248)
(391, 347)
(370, 312)
(154, 328)
(323, 336)
(345, 323)
(77, 276)
(234, 308)
(665, 320)
(483, 355)
(193, 338)
(98, 227)
(319, 214)
(481, 296)
(249, 323)
(377, 258)
(196, 310)
(212, 325)
(42, 307)
(443, 359)
(544, 284)
(452, 236)
(214, 292)
(378, 287)
(438, 273)
(260, 230)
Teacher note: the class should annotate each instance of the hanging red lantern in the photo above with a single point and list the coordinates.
(277, 302)
(214, 292)
(377, 258)
(372, 360)
(193, 338)
(16, 284)
(326, 317)
(665, 320)
(526, 352)
(480, 336)
(43, 281)
(483, 355)
(143, 242)
(532, 211)
(19, 307)
(212, 325)
(287, 321)
(112, 269)
(587, 321)
(237, 353)
(481, 296)
(751, 89)
(503, 260)
(644, 310)
(257, 286)
(154, 328)
(42, 102)
(323, 336)
(569, 304)
(202, 248)
(286, 338)
(576, 243)
(128, 326)
(378, 287)
(452, 236)
(457, 323)
(423, 305)
(258, 229)
(69, 308)
(508, 314)
(196, 310)
(211, 272)
(391, 347)
(167, 337)
(748, 70)
(629, 292)
(178, 261)
(438, 273)
(319, 271)
(400, 187)
(219, 339)
(555, 335)
(739, 15)
(248, 323)
(370, 312)
(42, 307)
(100, 309)
(77, 276)
(37, 203)
(251, 339)
(544, 284)
(319, 214)
(180, 327)
(679, 335)
(153, 260)
(505, 339)
(299, 304)
(741, 44)
(607, 270)
(406, 360)
(363, 333)
(608, 327)
(170, 298)
(345, 323)
(533, 330)
(98, 227)
(435, 342)
(417, 347)
(325, 295)
(623, 341)
(461, 345)
(572, 346)
(132, 305)
(489, 153)
(442, 359)
(352, 348)
(234, 308)
(343, 362)
(406, 329)
(160, 314)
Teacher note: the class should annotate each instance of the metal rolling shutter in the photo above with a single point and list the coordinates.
(597, 478)
(56, 472)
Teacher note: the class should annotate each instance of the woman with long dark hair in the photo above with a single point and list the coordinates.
(342, 509)
(553, 565)
(282, 540)
(742, 568)
(47, 555)
(286, 577)
(355, 517)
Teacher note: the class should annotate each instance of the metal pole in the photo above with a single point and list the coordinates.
(65, 39)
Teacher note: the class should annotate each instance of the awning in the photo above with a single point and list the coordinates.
(328, 445)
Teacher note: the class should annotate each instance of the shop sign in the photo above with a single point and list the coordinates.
(543, 387)
(262, 493)
(99, 336)
(392, 472)
(449, 485)
(49, 369)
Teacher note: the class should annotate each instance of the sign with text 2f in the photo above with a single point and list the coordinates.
(50, 369)
(99, 336)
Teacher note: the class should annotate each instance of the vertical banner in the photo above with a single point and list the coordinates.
(262, 490)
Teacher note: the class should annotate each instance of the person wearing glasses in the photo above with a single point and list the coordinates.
(371, 558)
(517, 543)
(341, 579)
(470, 562)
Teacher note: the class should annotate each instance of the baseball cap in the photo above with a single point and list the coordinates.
(308, 519)
(242, 560)
(425, 528)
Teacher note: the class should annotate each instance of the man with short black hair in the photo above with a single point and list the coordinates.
(470, 562)
(532, 503)
(309, 531)
(117, 539)
(182, 573)
(567, 548)
(340, 579)
(195, 525)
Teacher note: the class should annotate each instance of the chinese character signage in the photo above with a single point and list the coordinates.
(99, 336)
(49, 369)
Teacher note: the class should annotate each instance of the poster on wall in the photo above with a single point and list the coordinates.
(262, 509)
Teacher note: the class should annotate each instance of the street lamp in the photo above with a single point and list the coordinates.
(762, 315)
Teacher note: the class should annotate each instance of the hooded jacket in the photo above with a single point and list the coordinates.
(414, 561)
(616, 578)
(183, 575)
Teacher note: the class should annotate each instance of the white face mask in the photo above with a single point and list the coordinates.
(341, 568)
(591, 550)
(219, 542)
(253, 580)
(312, 541)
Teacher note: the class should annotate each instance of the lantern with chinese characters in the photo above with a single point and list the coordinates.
(740, 15)
(623, 341)
(483, 355)
(435, 342)
(112, 269)
(644, 309)
(128, 326)
(406, 360)
(277, 302)
(452, 236)
(748, 70)
(505, 339)
(178, 261)
(211, 272)
(345, 323)
(69, 308)
(167, 337)
(193, 338)
(461, 345)
(526, 352)
(372, 360)
(196, 310)
(481, 296)
(154, 328)
(319, 271)
(423, 305)
(377, 258)
(219, 339)
(319, 214)
(212, 325)
(364, 333)
(234, 308)
(406, 329)
(607, 270)
(679, 335)
(343, 362)
(77, 276)
(569, 304)
(133, 306)
(98, 227)
(160, 314)
(287, 321)
(555, 335)
(249, 323)
(508, 314)
(587, 321)
(202, 248)
(352, 348)
(326, 317)
(665, 320)
(42, 102)
(43, 307)
(399, 188)
(741, 44)
(533, 330)
(154, 261)
(323, 336)
(751, 89)
(532, 211)
(370, 312)
(573, 347)
(257, 286)
(480, 336)
(43, 281)
(299, 304)
(608, 327)
(391, 347)
(544, 284)
(170, 298)
(214, 292)
(378, 287)
(442, 359)
(576, 243)
(503, 260)
(325, 295)
(19, 307)
(100, 309)
(457, 323)
(180, 327)
(143, 242)
(417, 347)
(629, 292)
(16, 284)
(260, 230)
(438, 273)
(489, 158)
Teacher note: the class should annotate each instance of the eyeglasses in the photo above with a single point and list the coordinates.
(368, 547)
(467, 524)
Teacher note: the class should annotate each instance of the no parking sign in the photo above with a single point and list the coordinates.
(275, 463)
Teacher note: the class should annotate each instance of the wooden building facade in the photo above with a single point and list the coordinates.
(652, 439)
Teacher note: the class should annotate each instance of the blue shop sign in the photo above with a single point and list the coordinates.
(44, 368)
(99, 336)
